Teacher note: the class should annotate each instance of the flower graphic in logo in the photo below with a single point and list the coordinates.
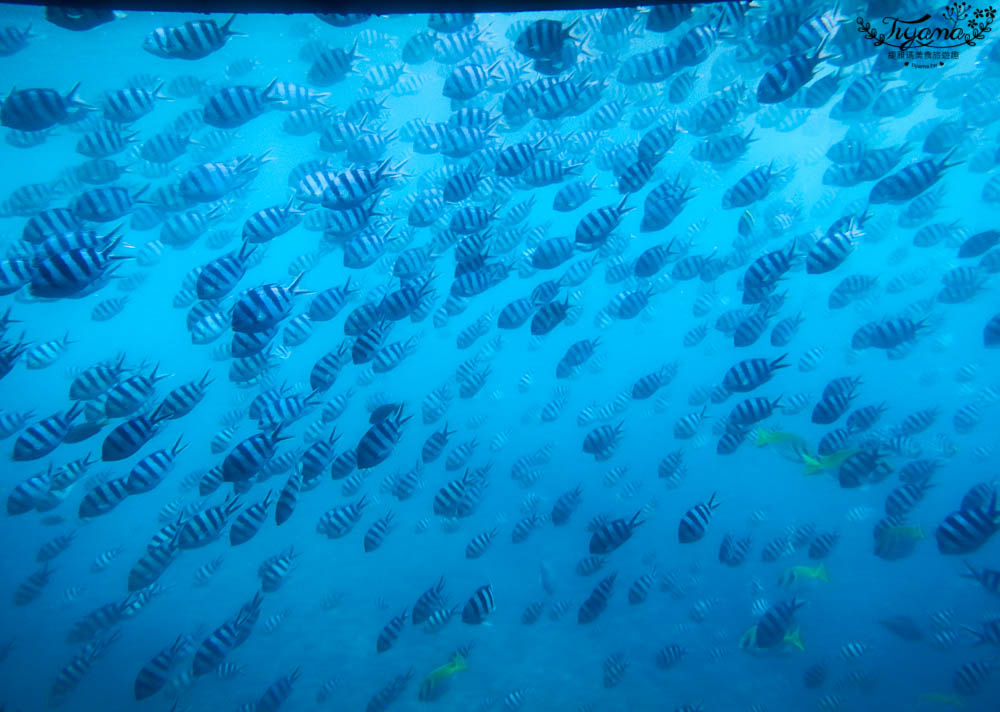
(978, 25)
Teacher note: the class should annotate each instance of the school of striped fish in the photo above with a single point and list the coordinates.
(636, 358)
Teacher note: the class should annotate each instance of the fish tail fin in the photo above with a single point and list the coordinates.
(980, 638)
(227, 29)
(794, 637)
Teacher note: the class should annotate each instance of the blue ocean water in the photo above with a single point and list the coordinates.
(914, 337)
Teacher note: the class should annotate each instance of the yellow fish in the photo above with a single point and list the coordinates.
(952, 700)
(771, 437)
(435, 684)
(788, 445)
(821, 463)
(909, 533)
(455, 665)
(748, 641)
(798, 574)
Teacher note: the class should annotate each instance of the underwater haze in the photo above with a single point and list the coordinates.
(626, 359)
